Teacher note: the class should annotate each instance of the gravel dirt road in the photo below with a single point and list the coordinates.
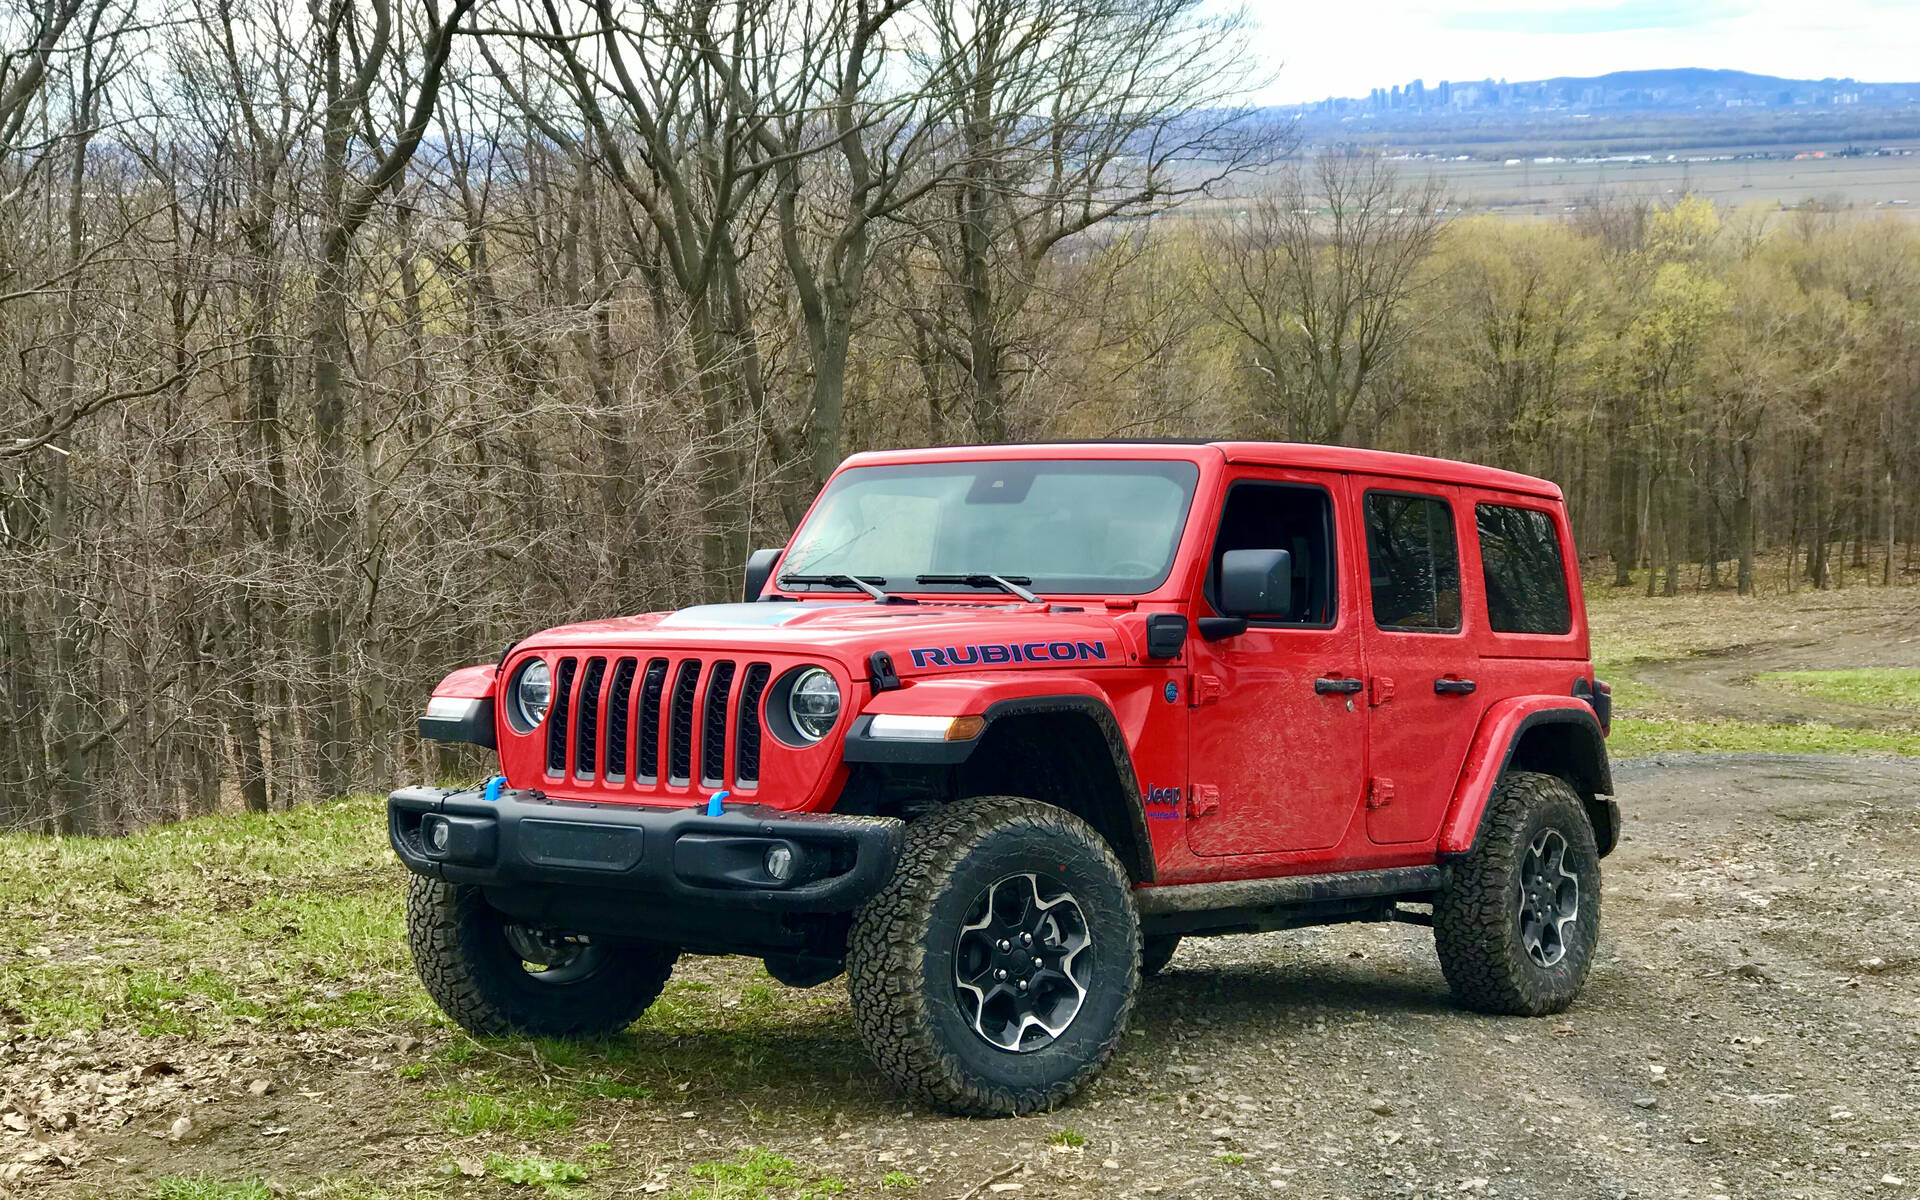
(1751, 1029)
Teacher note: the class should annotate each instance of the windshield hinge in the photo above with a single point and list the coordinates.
(881, 673)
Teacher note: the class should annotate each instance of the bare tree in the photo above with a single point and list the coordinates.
(1067, 115)
(1319, 277)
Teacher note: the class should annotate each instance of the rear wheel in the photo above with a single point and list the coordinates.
(994, 973)
(1518, 922)
(494, 976)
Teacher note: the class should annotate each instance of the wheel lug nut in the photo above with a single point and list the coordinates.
(1038, 963)
(1005, 945)
(1026, 939)
(1023, 985)
(1001, 974)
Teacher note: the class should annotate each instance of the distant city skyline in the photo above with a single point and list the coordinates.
(1315, 50)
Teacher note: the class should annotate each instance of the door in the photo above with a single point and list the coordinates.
(1424, 701)
(1277, 739)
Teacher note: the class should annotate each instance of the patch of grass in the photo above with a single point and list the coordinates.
(1231, 1159)
(1638, 735)
(479, 1112)
(553, 1176)
(898, 1179)
(1888, 687)
(755, 1175)
(292, 920)
(1067, 1137)
(206, 1187)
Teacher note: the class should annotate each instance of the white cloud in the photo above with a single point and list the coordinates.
(1345, 48)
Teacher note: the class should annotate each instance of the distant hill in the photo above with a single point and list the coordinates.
(1678, 89)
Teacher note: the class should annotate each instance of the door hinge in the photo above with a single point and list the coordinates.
(1203, 799)
(1205, 689)
(1380, 691)
(1379, 792)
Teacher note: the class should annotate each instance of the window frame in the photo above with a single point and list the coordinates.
(1562, 547)
(1171, 467)
(1459, 626)
(1210, 583)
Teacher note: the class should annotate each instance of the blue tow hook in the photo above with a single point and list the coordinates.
(713, 803)
(492, 791)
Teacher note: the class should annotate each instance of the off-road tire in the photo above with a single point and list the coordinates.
(1476, 923)
(461, 952)
(902, 953)
(1156, 952)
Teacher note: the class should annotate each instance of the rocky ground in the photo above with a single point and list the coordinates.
(1752, 1028)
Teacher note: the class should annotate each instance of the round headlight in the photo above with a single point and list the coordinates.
(813, 703)
(533, 693)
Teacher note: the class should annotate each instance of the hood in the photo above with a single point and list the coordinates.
(920, 637)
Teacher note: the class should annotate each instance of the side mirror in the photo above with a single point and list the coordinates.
(760, 566)
(1256, 581)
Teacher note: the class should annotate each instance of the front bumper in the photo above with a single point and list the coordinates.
(680, 854)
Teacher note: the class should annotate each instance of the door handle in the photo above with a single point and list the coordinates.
(1454, 687)
(1332, 687)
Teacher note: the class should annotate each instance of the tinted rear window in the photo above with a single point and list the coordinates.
(1413, 561)
(1525, 575)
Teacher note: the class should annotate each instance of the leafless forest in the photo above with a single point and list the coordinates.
(342, 343)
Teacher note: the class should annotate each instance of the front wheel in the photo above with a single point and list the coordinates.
(1518, 921)
(495, 977)
(1156, 952)
(994, 974)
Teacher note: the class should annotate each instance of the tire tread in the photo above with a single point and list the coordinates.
(887, 951)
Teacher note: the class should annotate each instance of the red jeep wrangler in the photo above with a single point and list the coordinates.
(1002, 725)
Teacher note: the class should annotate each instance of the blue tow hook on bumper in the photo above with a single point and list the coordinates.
(748, 857)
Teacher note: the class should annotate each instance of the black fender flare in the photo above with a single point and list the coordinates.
(862, 747)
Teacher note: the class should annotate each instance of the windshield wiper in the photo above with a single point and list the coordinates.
(1006, 583)
(869, 586)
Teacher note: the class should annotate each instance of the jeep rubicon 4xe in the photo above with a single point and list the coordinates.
(1001, 725)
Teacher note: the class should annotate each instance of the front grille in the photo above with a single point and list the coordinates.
(614, 719)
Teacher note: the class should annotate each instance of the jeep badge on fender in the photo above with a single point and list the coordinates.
(1001, 725)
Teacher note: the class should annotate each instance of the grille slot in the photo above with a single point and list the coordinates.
(647, 740)
(586, 726)
(686, 683)
(619, 712)
(557, 722)
(713, 725)
(746, 750)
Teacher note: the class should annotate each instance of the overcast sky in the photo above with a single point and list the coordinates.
(1345, 47)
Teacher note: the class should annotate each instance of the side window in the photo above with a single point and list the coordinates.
(1526, 578)
(1413, 562)
(1296, 518)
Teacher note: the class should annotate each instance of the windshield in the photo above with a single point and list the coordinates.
(1066, 525)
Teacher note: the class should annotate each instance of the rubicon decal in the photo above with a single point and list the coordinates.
(1008, 652)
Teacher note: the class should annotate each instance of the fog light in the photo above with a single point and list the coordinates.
(437, 833)
(779, 863)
